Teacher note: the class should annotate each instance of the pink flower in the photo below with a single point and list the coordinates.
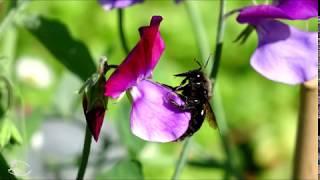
(152, 117)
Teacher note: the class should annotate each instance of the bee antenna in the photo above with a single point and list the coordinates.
(198, 62)
(207, 61)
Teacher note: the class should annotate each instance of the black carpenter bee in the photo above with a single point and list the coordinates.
(195, 91)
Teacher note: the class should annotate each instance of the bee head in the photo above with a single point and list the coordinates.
(194, 74)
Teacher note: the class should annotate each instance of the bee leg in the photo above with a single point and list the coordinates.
(190, 104)
(175, 89)
(181, 87)
(178, 88)
(185, 74)
(182, 107)
(184, 81)
(170, 87)
(171, 100)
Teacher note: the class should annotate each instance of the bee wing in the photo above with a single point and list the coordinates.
(210, 116)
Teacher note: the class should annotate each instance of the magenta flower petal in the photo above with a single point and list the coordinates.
(285, 54)
(153, 118)
(284, 9)
(140, 62)
(111, 4)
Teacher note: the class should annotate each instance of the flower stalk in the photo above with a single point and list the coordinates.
(85, 154)
(12, 12)
(182, 159)
(305, 160)
(121, 31)
(203, 44)
(219, 41)
(217, 100)
(199, 30)
(94, 106)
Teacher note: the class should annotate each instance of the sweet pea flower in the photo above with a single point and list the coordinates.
(152, 117)
(284, 53)
(119, 4)
(94, 109)
(111, 4)
(280, 9)
(94, 103)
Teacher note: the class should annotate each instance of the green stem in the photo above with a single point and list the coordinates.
(182, 159)
(121, 31)
(223, 129)
(217, 100)
(199, 30)
(203, 45)
(219, 41)
(85, 154)
(14, 9)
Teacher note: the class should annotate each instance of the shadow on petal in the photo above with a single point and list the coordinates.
(152, 119)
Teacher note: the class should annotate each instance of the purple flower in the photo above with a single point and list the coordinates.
(111, 4)
(282, 9)
(152, 117)
(284, 54)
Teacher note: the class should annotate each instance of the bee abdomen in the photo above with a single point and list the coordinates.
(194, 125)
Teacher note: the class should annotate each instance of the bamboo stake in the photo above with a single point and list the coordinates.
(306, 157)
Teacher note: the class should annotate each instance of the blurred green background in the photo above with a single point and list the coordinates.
(261, 114)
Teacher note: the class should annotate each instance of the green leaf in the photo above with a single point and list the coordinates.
(124, 169)
(4, 167)
(2, 111)
(72, 53)
(2, 101)
(5, 132)
(9, 133)
(16, 137)
(244, 35)
(2, 106)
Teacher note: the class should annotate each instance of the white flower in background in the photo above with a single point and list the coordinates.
(37, 140)
(33, 71)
